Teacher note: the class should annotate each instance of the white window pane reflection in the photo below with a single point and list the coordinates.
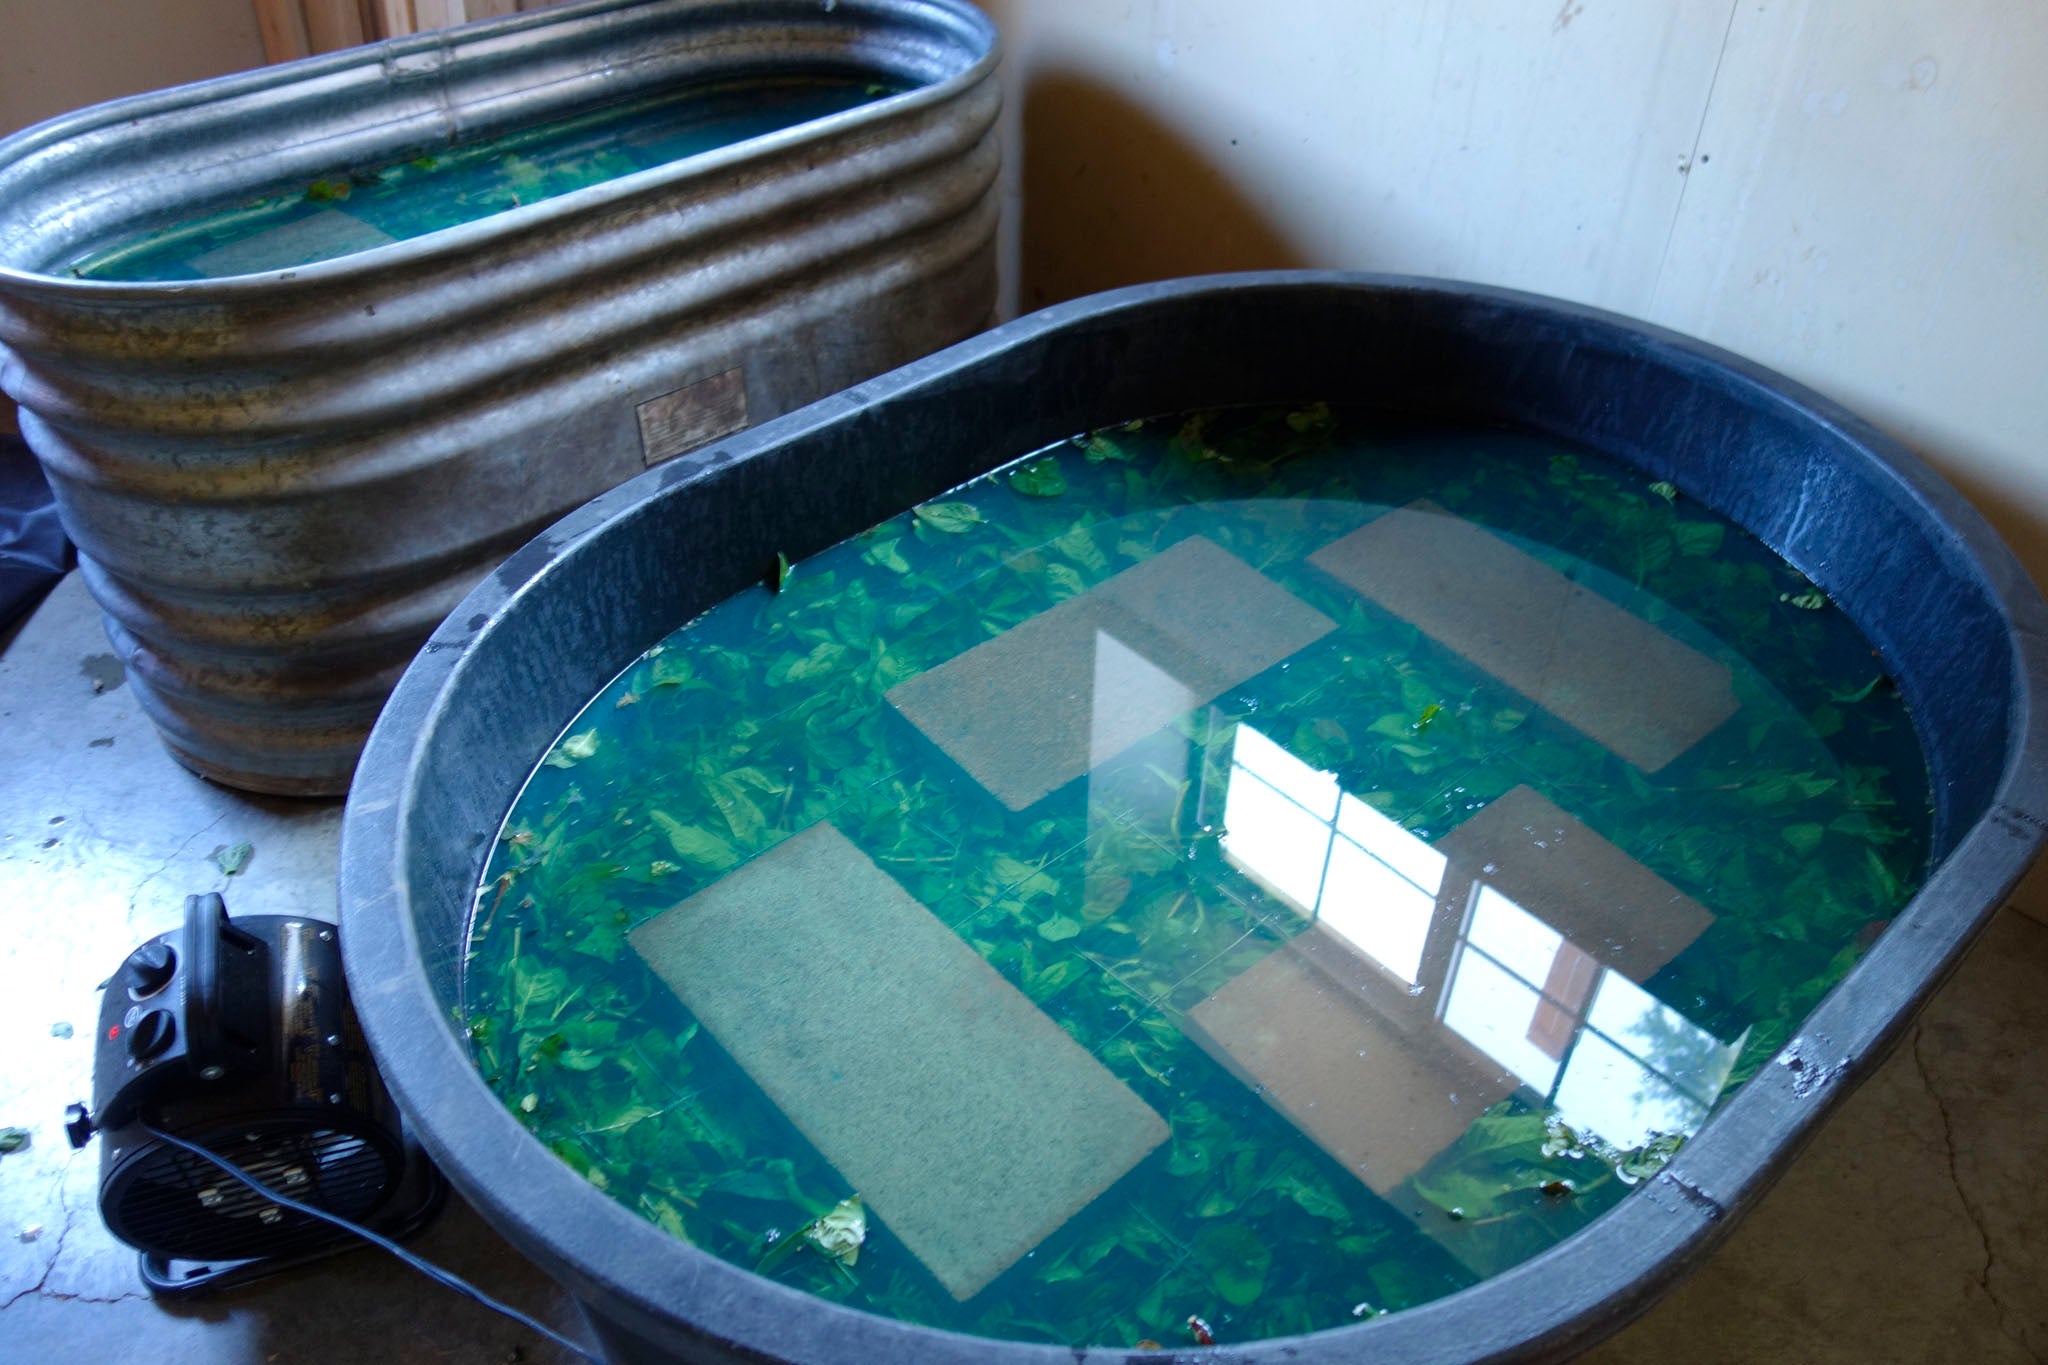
(1377, 910)
(1492, 1010)
(1513, 937)
(1608, 1092)
(1314, 789)
(1694, 1059)
(1391, 844)
(1275, 840)
(1286, 822)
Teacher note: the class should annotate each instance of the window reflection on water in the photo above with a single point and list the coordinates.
(1607, 1055)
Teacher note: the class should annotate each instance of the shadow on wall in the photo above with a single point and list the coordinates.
(1113, 196)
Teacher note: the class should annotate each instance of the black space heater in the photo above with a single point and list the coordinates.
(237, 1036)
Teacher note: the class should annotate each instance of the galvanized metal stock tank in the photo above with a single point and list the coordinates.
(279, 483)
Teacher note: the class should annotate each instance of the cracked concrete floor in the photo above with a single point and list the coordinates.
(102, 836)
(1914, 1229)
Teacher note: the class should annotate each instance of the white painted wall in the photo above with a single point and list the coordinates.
(1852, 191)
(58, 55)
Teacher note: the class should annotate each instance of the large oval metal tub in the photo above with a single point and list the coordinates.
(279, 482)
(1902, 554)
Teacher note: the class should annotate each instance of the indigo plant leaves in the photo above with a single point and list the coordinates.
(1801, 823)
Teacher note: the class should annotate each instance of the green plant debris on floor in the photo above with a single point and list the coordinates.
(1120, 901)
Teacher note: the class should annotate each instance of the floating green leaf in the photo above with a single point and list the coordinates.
(953, 518)
(1804, 837)
(573, 750)
(1698, 538)
(1039, 479)
(837, 1234)
(889, 555)
(695, 844)
(840, 1233)
(1237, 1261)
(1058, 929)
(325, 191)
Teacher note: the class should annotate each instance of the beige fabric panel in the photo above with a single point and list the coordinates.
(1034, 708)
(1611, 675)
(970, 1123)
(1366, 1081)
(1602, 900)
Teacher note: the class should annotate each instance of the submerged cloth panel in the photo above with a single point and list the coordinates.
(316, 237)
(1609, 674)
(1361, 1068)
(1048, 699)
(1365, 1068)
(1603, 901)
(966, 1118)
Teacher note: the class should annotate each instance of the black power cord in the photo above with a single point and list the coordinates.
(425, 1267)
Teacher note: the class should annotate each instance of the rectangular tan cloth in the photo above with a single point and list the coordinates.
(1606, 903)
(1610, 675)
(1356, 1065)
(1363, 1067)
(1073, 687)
(329, 232)
(968, 1121)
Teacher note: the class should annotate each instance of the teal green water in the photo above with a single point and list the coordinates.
(355, 208)
(1307, 815)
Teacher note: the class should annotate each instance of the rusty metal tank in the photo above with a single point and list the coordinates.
(282, 472)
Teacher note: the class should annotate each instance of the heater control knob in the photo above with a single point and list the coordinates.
(152, 1033)
(150, 969)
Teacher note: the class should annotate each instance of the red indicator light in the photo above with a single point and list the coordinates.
(113, 1032)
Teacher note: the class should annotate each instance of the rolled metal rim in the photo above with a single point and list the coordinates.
(974, 29)
(1546, 1308)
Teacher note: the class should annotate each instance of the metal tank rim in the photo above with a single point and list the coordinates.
(419, 796)
(974, 30)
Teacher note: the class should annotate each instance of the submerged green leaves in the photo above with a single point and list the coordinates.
(573, 750)
(952, 518)
(770, 714)
(1039, 479)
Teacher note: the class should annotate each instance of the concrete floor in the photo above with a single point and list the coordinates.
(1915, 1229)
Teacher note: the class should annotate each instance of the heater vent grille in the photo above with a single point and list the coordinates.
(172, 1203)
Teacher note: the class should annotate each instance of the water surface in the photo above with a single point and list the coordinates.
(1261, 866)
(353, 209)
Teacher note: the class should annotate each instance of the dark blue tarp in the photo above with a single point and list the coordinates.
(33, 551)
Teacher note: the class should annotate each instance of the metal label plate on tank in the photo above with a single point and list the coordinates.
(686, 418)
